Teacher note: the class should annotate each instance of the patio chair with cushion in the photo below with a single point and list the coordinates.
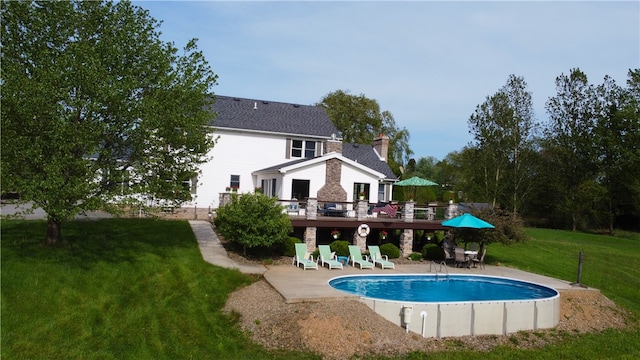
(355, 257)
(303, 257)
(328, 258)
(378, 259)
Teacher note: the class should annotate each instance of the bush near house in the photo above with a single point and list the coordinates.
(340, 247)
(390, 250)
(288, 247)
(253, 221)
(433, 252)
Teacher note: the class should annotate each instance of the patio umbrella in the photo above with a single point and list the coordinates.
(467, 221)
(414, 182)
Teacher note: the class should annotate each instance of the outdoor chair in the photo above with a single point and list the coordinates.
(355, 257)
(479, 262)
(328, 258)
(448, 256)
(378, 258)
(303, 258)
(461, 259)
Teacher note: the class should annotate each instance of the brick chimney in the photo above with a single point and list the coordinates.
(332, 190)
(333, 145)
(381, 145)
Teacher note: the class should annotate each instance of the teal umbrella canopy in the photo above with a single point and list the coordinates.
(468, 221)
(415, 181)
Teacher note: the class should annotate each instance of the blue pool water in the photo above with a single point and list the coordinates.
(429, 288)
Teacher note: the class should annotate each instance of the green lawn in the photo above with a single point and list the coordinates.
(139, 289)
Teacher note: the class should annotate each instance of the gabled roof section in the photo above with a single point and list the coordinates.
(273, 117)
(292, 165)
(367, 156)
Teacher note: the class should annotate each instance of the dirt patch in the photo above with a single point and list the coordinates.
(341, 329)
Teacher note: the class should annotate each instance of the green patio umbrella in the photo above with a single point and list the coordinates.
(415, 182)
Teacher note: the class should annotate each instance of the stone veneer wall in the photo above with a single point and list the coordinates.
(310, 238)
(406, 242)
(381, 144)
(333, 146)
(332, 190)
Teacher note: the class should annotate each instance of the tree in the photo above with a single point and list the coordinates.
(569, 140)
(617, 135)
(253, 220)
(360, 120)
(96, 109)
(503, 128)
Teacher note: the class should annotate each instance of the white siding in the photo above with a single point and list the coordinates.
(237, 153)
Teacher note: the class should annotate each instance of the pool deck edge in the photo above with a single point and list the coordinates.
(298, 285)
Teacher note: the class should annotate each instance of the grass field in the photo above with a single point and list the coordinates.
(139, 289)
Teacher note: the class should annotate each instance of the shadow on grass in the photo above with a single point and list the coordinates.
(87, 242)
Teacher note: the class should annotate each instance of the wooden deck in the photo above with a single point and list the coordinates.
(383, 223)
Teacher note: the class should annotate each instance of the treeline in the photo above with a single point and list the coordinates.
(578, 170)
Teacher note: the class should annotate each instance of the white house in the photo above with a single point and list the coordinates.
(291, 151)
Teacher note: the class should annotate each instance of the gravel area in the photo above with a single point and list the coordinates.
(341, 329)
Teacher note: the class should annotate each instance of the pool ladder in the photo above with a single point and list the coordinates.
(434, 266)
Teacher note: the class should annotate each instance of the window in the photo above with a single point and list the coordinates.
(234, 183)
(309, 149)
(300, 147)
(269, 187)
(358, 189)
(381, 196)
(299, 189)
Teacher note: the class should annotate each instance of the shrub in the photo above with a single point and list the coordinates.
(415, 256)
(288, 247)
(340, 247)
(390, 250)
(253, 220)
(508, 228)
(433, 252)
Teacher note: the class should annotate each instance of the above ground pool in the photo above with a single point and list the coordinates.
(429, 288)
(455, 305)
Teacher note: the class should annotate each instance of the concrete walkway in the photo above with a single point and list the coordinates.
(298, 285)
(213, 252)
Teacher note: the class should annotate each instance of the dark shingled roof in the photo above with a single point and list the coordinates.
(270, 116)
(365, 155)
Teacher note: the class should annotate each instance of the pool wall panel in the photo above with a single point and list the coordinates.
(548, 313)
(488, 318)
(455, 319)
(519, 315)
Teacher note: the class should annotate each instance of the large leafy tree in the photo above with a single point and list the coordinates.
(95, 107)
(617, 139)
(503, 128)
(359, 120)
(569, 142)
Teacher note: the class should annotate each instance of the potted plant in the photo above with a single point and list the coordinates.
(335, 234)
(362, 195)
(228, 188)
(383, 235)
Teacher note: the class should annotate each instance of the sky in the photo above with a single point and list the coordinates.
(429, 63)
